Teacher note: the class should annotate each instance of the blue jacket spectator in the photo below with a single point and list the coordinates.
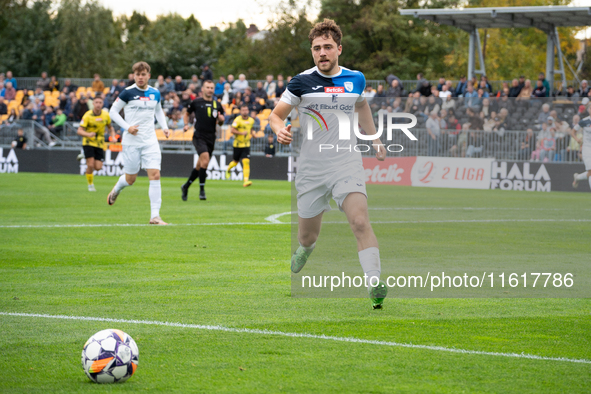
(10, 78)
(219, 87)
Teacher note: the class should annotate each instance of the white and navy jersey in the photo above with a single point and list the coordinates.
(316, 96)
(140, 107)
(585, 125)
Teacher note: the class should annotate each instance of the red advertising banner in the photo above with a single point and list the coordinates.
(392, 171)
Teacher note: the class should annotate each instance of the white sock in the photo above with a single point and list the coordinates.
(121, 184)
(310, 248)
(582, 176)
(155, 193)
(370, 262)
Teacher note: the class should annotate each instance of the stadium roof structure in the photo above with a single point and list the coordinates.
(545, 18)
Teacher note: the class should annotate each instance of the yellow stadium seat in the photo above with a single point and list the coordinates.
(55, 94)
(259, 134)
(106, 90)
(19, 95)
(47, 93)
(30, 93)
(235, 111)
(81, 89)
(264, 123)
(262, 101)
(264, 114)
(3, 118)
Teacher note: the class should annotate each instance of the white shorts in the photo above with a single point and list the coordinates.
(314, 192)
(142, 156)
(586, 153)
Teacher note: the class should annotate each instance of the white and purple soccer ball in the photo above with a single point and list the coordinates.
(110, 356)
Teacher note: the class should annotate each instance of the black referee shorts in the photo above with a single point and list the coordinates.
(241, 153)
(92, 152)
(203, 145)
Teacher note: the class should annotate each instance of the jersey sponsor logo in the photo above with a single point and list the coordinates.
(317, 87)
(144, 99)
(349, 86)
(334, 89)
(316, 118)
(99, 119)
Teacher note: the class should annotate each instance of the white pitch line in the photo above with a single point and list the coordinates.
(302, 335)
(468, 209)
(273, 218)
(324, 222)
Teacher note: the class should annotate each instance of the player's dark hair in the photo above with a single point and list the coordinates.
(244, 106)
(208, 81)
(141, 66)
(327, 28)
(98, 96)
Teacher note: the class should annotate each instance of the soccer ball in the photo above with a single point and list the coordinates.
(110, 356)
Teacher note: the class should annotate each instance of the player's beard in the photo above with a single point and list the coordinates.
(326, 67)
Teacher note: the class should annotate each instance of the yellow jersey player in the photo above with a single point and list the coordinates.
(242, 130)
(92, 130)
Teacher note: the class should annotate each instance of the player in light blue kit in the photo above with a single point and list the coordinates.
(140, 103)
(337, 172)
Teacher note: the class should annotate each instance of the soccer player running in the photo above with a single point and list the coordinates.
(242, 130)
(337, 173)
(207, 112)
(585, 125)
(92, 130)
(140, 104)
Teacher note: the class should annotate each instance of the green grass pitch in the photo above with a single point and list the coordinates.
(222, 265)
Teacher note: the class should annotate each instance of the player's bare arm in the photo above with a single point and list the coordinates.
(277, 122)
(367, 124)
(236, 132)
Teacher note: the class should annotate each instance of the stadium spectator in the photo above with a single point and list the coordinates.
(270, 146)
(279, 89)
(489, 121)
(449, 103)
(186, 98)
(545, 84)
(43, 82)
(573, 149)
(433, 126)
(3, 107)
(196, 82)
(54, 84)
(461, 88)
(380, 93)
(475, 144)
(176, 122)
(227, 95)
(58, 122)
(10, 78)
(176, 106)
(206, 74)
(179, 85)
(392, 77)
(161, 85)
(527, 141)
(584, 89)
(432, 105)
(260, 92)
(425, 88)
(369, 92)
(69, 87)
(543, 116)
(38, 94)
(21, 141)
(485, 85)
(420, 81)
(526, 91)
(230, 79)
(48, 116)
(9, 91)
(12, 117)
(548, 146)
(69, 110)
(270, 86)
(63, 100)
(515, 88)
(169, 84)
(80, 108)
(440, 83)
(471, 98)
(505, 103)
(219, 87)
(167, 102)
(445, 92)
(395, 89)
(397, 105)
(240, 84)
(130, 79)
(114, 87)
(540, 90)
(521, 81)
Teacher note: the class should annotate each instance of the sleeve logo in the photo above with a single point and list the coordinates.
(349, 86)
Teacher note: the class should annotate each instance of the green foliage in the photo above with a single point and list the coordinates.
(87, 40)
(26, 37)
(79, 38)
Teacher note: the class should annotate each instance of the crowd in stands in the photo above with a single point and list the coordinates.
(469, 119)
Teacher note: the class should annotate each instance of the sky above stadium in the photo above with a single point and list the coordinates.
(220, 12)
(214, 13)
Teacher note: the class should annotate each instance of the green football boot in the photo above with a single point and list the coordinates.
(298, 259)
(377, 295)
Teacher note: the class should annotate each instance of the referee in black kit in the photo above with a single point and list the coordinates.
(207, 112)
